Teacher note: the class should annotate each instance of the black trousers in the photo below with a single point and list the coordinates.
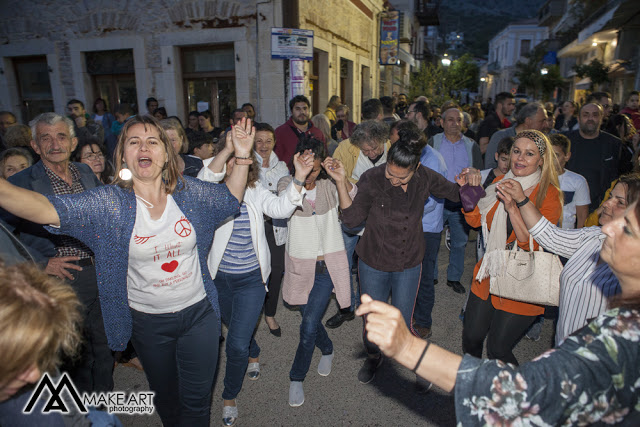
(277, 271)
(92, 370)
(501, 329)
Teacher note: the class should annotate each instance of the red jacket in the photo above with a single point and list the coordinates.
(634, 115)
(287, 139)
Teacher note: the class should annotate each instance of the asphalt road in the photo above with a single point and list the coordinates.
(339, 399)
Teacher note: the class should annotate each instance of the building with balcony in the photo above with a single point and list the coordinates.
(609, 34)
(509, 46)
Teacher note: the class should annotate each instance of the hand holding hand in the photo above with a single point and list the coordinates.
(512, 188)
(505, 197)
(303, 164)
(385, 326)
(243, 135)
(334, 168)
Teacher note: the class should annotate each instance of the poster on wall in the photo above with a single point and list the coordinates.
(291, 43)
(296, 73)
(389, 29)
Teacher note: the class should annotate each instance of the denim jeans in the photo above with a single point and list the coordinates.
(459, 237)
(179, 352)
(312, 333)
(426, 293)
(402, 285)
(350, 242)
(241, 297)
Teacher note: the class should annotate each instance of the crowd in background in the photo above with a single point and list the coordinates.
(344, 205)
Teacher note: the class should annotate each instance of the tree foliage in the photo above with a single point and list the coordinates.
(440, 84)
(529, 77)
(595, 70)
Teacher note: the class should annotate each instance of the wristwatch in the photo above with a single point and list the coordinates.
(296, 182)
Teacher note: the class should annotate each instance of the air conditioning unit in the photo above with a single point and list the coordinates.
(405, 27)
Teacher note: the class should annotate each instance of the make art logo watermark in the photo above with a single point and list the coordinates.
(114, 402)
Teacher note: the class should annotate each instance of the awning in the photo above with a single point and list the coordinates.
(405, 56)
(584, 84)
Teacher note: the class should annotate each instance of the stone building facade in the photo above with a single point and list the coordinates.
(189, 54)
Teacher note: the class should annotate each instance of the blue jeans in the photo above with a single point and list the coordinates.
(179, 352)
(241, 297)
(459, 236)
(350, 242)
(426, 293)
(312, 333)
(402, 285)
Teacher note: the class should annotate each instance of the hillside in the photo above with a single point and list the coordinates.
(481, 20)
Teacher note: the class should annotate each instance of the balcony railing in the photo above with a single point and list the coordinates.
(426, 12)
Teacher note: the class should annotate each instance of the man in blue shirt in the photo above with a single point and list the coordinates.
(432, 227)
(459, 152)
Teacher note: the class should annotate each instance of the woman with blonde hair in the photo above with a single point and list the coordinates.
(500, 320)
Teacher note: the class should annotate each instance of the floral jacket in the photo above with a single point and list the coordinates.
(592, 378)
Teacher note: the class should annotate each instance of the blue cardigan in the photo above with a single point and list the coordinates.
(103, 218)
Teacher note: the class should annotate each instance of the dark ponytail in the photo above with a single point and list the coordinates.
(406, 152)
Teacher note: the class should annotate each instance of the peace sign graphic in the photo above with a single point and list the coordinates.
(182, 227)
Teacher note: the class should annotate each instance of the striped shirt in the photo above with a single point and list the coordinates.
(239, 256)
(585, 284)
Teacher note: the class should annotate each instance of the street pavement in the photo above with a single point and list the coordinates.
(339, 399)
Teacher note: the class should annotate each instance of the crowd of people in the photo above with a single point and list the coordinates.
(164, 231)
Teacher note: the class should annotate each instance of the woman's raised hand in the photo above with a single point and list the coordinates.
(512, 189)
(303, 164)
(334, 169)
(470, 176)
(243, 135)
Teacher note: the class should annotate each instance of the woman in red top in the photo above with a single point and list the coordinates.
(500, 320)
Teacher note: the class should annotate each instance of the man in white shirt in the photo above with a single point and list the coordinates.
(574, 187)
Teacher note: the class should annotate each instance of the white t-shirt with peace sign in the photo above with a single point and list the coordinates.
(164, 271)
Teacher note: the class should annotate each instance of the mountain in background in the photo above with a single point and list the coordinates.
(480, 21)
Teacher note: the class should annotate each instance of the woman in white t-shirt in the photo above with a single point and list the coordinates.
(240, 263)
(150, 233)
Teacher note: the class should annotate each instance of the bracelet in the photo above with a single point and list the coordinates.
(243, 161)
(242, 158)
(296, 182)
(522, 203)
(426, 347)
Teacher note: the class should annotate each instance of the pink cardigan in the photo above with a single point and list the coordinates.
(307, 232)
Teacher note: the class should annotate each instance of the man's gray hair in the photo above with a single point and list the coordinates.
(529, 111)
(51, 119)
(370, 132)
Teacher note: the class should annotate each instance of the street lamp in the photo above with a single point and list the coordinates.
(446, 61)
(544, 71)
(482, 79)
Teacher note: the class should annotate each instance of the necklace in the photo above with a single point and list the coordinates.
(144, 202)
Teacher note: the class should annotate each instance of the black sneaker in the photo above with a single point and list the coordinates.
(339, 318)
(368, 371)
(456, 286)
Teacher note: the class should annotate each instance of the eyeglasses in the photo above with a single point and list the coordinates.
(93, 156)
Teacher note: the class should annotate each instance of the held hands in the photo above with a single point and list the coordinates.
(242, 136)
(509, 192)
(81, 121)
(470, 176)
(334, 168)
(385, 326)
(303, 163)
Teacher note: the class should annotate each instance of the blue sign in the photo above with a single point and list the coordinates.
(550, 58)
(389, 29)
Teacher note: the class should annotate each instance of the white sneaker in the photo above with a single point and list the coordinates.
(324, 367)
(296, 394)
